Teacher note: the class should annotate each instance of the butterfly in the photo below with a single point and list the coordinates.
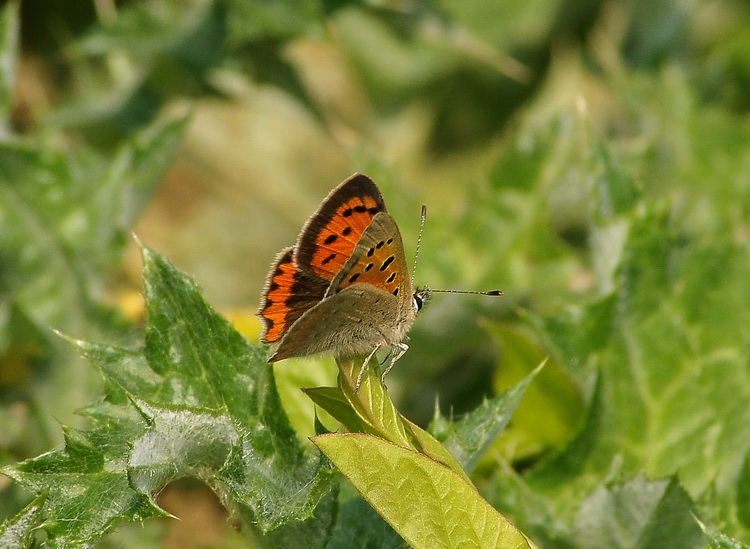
(344, 288)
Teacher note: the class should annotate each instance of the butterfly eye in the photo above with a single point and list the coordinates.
(420, 297)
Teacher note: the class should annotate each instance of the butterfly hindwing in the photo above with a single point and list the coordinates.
(346, 324)
(289, 292)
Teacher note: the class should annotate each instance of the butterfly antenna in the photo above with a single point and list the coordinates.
(491, 292)
(416, 256)
(419, 241)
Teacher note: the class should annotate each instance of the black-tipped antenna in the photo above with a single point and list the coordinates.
(416, 256)
(490, 292)
(419, 241)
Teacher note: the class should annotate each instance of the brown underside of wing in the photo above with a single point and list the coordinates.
(350, 323)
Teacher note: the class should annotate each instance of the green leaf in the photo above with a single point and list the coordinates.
(175, 50)
(144, 30)
(253, 21)
(656, 346)
(425, 501)
(359, 521)
(313, 532)
(85, 498)
(580, 332)
(23, 342)
(180, 442)
(555, 473)
(638, 515)
(614, 192)
(370, 410)
(332, 400)
(65, 219)
(552, 407)
(717, 540)
(469, 438)
(378, 414)
(212, 366)
(197, 400)
(18, 531)
(374, 408)
(137, 168)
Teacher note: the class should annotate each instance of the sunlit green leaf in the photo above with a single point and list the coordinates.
(426, 502)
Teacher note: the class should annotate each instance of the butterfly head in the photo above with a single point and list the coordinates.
(420, 298)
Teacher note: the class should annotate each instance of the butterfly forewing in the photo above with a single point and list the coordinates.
(378, 260)
(330, 236)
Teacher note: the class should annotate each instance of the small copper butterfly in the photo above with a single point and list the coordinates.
(344, 288)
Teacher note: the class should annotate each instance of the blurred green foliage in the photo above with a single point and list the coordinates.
(591, 159)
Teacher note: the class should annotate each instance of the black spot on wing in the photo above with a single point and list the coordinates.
(387, 262)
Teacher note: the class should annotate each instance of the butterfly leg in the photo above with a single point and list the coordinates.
(402, 348)
(364, 367)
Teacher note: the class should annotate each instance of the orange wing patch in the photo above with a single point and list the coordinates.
(378, 266)
(331, 234)
(288, 294)
(336, 241)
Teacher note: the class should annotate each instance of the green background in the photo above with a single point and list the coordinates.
(591, 159)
